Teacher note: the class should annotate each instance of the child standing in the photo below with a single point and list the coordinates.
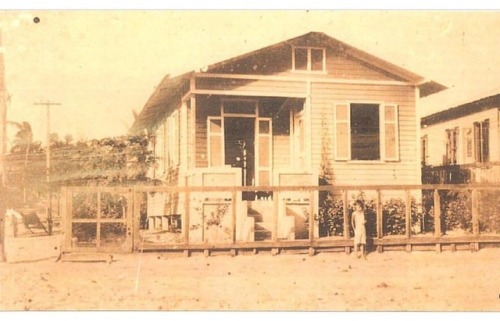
(358, 224)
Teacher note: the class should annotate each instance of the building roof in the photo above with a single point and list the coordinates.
(469, 108)
(164, 97)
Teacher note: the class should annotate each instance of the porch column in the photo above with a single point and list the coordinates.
(308, 126)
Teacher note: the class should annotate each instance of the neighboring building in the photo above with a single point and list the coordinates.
(462, 144)
(287, 114)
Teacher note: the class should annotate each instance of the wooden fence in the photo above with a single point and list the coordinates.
(436, 238)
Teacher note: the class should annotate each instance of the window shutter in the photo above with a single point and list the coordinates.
(342, 132)
(485, 135)
(265, 151)
(391, 131)
(215, 143)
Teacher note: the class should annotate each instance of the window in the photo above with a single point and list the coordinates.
(468, 141)
(172, 139)
(366, 132)
(424, 152)
(451, 146)
(481, 141)
(308, 59)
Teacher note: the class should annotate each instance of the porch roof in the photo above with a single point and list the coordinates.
(162, 99)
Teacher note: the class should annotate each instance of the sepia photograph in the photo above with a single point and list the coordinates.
(249, 160)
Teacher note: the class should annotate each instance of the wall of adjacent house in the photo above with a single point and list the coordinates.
(405, 170)
(436, 137)
(169, 165)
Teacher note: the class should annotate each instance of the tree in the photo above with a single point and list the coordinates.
(23, 138)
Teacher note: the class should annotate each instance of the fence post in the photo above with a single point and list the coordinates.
(233, 223)
(408, 213)
(275, 214)
(437, 214)
(380, 231)
(311, 216)
(187, 205)
(475, 213)
(136, 219)
(347, 231)
(408, 218)
(380, 220)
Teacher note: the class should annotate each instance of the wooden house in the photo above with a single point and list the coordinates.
(291, 113)
(462, 144)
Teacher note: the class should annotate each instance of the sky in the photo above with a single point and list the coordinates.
(102, 65)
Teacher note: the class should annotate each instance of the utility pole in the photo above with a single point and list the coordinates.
(48, 104)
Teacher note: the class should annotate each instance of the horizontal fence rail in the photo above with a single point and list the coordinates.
(189, 218)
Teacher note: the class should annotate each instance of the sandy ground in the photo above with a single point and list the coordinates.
(327, 281)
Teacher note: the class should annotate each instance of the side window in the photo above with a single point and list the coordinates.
(451, 146)
(481, 141)
(309, 59)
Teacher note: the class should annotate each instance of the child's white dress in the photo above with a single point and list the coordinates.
(359, 230)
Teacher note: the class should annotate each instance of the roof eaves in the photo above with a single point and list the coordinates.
(466, 109)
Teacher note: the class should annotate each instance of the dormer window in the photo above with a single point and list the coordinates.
(309, 59)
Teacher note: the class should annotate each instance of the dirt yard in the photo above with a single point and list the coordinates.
(327, 281)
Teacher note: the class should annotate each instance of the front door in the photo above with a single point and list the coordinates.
(239, 145)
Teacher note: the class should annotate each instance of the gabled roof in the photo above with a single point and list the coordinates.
(169, 88)
(462, 110)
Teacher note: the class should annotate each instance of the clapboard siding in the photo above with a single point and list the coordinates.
(347, 67)
(324, 98)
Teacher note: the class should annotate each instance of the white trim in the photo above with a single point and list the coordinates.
(248, 93)
(302, 79)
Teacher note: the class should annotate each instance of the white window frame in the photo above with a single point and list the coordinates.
(382, 133)
(309, 60)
